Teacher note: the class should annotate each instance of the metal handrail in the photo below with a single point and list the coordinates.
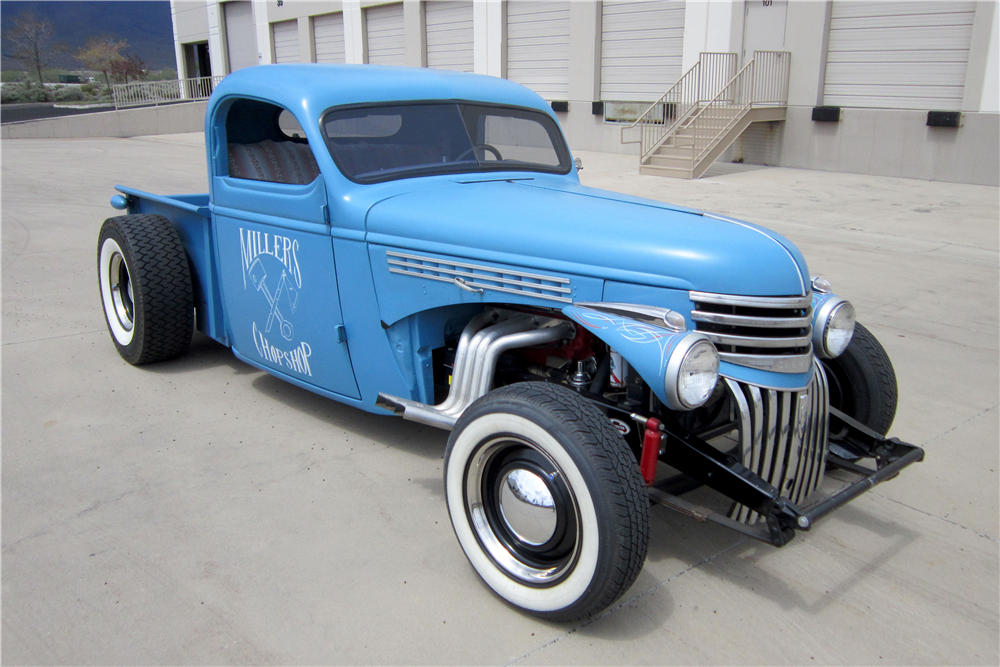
(141, 93)
(721, 107)
(648, 116)
(762, 82)
(698, 84)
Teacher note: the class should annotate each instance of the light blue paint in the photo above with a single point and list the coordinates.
(606, 246)
(647, 348)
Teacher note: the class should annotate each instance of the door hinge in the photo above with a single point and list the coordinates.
(326, 213)
(341, 333)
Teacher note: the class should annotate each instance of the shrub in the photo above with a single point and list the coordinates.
(69, 95)
(12, 94)
(38, 94)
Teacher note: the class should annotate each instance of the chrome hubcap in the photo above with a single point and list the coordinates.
(527, 507)
(522, 511)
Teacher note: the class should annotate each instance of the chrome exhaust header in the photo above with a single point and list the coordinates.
(484, 339)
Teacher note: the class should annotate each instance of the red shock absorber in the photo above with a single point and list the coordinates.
(650, 450)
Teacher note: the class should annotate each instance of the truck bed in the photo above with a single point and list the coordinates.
(190, 215)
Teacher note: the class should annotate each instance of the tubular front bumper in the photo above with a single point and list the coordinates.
(782, 517)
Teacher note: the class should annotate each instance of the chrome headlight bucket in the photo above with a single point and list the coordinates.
(692, 372)
(833, 327)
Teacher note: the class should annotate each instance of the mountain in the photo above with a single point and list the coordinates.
(145, 24)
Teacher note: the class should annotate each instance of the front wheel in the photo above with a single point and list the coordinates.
(863, 383)
(546, 500)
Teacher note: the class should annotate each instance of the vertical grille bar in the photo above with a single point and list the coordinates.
(776, 478)
(761, 429)
(783, 437)
(810, 444)
(803, 442)
(821, 427)
(770, 426)
(749, 420)
(744, 410)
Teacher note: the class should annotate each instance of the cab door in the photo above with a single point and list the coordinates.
(276, 261)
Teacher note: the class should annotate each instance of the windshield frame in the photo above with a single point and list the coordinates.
(472, 166)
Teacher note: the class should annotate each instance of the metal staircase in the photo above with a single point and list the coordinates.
(693, 123)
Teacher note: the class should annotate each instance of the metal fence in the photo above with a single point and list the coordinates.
(143, 93)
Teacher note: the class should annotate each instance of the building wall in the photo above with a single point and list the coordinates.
(190, 21)
(894, 140)
(869, 139)
(889, 142)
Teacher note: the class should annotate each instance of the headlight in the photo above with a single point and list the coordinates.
(692, 372)
(833, 327)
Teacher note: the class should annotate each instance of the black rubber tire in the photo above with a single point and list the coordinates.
(604, 525)
(863, 382)
(153, 318)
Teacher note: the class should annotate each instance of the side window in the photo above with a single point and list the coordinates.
(265, 143)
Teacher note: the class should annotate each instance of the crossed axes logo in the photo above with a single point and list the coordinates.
(258, 275)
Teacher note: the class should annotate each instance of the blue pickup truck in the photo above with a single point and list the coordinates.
(418, 243)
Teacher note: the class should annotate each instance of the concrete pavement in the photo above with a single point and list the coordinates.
(203, 512)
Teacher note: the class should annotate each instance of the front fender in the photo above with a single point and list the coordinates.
(652, 351)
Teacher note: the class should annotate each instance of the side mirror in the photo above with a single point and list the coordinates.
(579, 163)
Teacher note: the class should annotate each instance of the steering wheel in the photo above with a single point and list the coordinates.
(483, 148)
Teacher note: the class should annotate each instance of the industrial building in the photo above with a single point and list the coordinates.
(908, 89)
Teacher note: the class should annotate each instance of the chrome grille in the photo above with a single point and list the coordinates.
(783, 437)
(770, 333)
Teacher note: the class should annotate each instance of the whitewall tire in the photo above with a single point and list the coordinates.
(146, 288)
(546, 500)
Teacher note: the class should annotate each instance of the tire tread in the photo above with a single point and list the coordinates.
(620, 480)
(162, 282)
(865, 381)
(887, 387)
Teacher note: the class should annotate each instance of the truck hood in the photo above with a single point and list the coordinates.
(565, 227)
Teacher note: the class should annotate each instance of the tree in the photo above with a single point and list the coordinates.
(30, 39)
(100, 54)
(131, 67)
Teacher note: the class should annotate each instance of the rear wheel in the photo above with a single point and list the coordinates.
(863, 383)
(546, 500)
(145, 286)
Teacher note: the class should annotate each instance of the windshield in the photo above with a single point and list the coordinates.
(374, 144)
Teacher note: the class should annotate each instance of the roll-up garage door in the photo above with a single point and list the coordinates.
(329, 35)
(642, 46)
(286, 41)
(385, 35)
(449, 35)
(898, 55)
(241, 37)
(538, 46)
